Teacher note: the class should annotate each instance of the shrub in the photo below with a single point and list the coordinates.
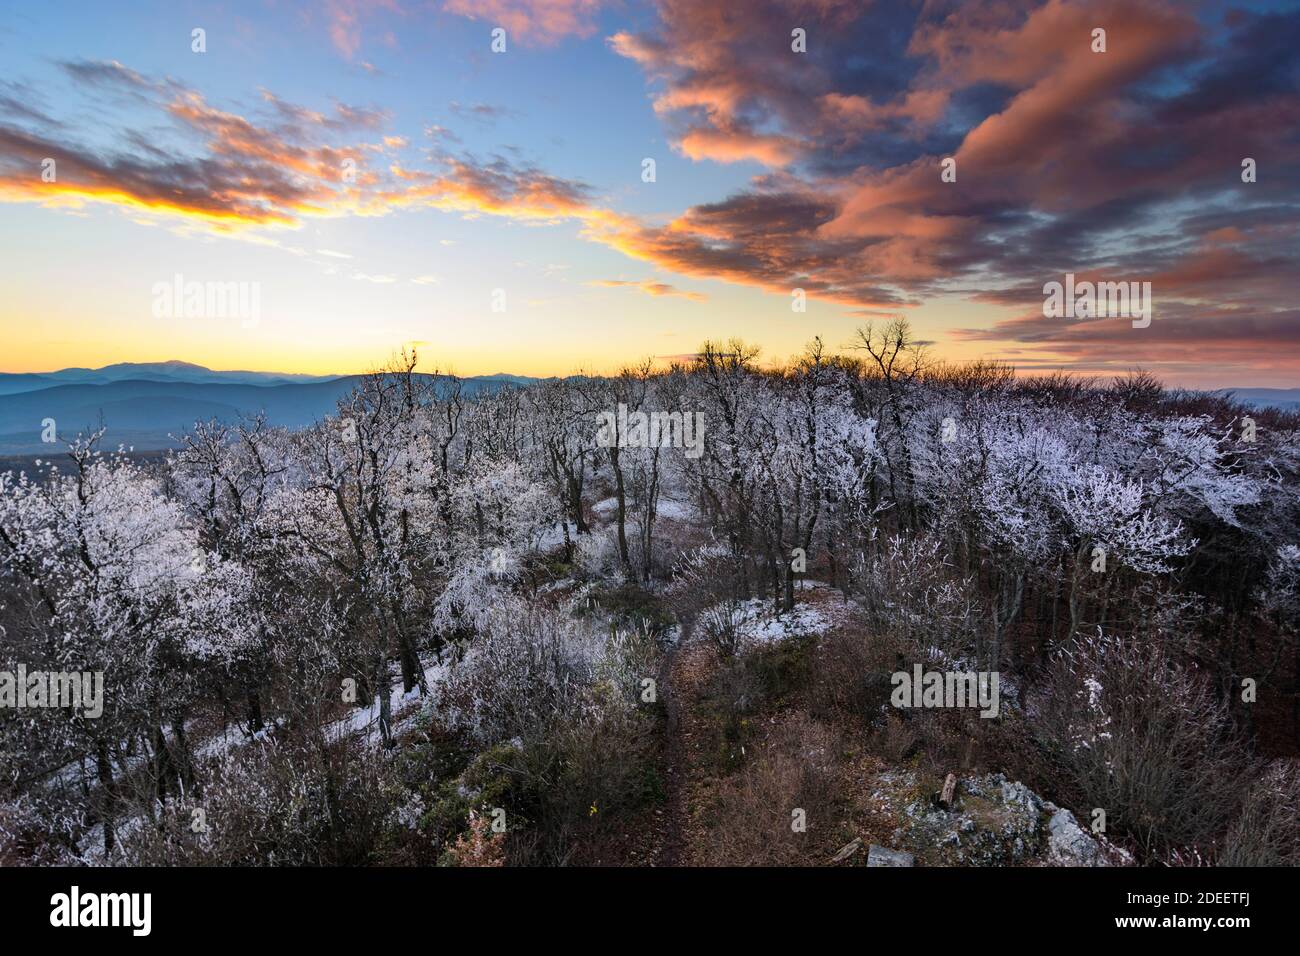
(1126, 728)
(851, 671)
(534, 668)
(911, 595)
(720, 624)
(1267, 832)
(276, 804)
(554, 704)
(707, 587)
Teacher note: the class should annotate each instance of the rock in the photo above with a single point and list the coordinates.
(995, 822)
(847, 850)
(1069, 843)
(879, 856)
(1017, 794)
(998, 824)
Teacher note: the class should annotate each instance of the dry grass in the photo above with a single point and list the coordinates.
(750, 817)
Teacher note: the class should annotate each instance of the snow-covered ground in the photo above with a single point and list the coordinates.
(404, 707)
(759, 623)
(666, 508)
(818, 609)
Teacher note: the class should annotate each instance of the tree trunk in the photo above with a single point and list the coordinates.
(106, 796)
(621, 494)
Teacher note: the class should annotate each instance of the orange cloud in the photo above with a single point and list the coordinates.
(650, 288)
(344, 21)
(250, 173)
(532, 21)
(497, 189)
(731, 146)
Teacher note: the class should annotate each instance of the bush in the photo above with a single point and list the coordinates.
(536, 668)
(276, 804)
(911, 593)
(721, 627)
(851, 671)
(1126, 728)
(707, 587)
(554, 705)
(1267, 832)
(632, 607)
(581, 781)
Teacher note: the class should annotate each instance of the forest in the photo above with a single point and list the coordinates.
(513, 629)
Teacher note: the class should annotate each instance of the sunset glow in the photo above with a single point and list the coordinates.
(388, 180)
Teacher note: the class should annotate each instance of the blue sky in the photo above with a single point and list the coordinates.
(521, 171)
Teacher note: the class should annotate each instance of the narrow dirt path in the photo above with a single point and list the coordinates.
(686, 669)
(673, 835)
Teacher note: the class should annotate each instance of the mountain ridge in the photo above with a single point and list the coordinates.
(146, 412)
(145, 404)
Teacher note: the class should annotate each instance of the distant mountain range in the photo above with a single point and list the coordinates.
(143, 405)
(1287, 398)
(11, 383)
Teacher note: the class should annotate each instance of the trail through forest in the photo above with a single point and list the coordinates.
(687, 668)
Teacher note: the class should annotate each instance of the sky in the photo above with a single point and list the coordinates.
(382, 177)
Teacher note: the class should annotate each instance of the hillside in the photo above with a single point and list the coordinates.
(837, 631)
(157, 401)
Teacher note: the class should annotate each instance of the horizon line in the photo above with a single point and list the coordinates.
(1016, 369)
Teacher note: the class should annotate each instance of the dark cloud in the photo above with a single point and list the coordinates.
(1125, 163)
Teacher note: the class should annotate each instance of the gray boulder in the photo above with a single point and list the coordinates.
(993, 821)
(879, 856)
